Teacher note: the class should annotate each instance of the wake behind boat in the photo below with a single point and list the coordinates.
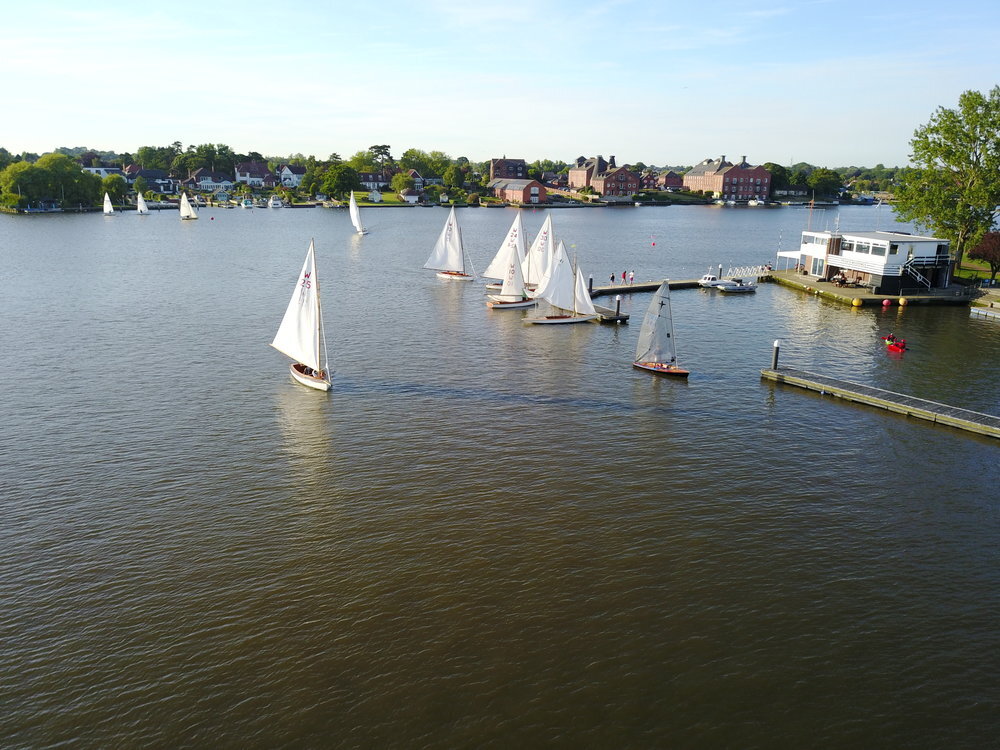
(655, 351)
(448, 255)
(300, 334)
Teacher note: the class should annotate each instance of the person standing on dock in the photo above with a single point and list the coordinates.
(631, 278)
(612, 279)
(623, 278)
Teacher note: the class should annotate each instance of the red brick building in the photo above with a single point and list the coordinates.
(728, 181)
(669, 181)
(583, 172)
(616, 181)
(514, 169)
(518, 191)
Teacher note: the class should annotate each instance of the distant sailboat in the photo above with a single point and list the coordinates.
(565, 289)
(187, 210)
(300, 334)
(356, 216)
(655, 351)
(108, 208)
(140, 205)
(498, 267)
(448, 255)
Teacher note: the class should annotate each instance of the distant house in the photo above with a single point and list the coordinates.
(736, 182)
(617, 181)
(373, 180)
(254, 174)
(418, 181)
(886, 262)
(157, 180)
(518, 191)
(647, 180)
(409, 195)
(205, 180)
(669, 180)
(103, 172)
(581, 174)
(511, 168)
(290, 175)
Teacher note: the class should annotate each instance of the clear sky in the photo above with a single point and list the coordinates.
(832, 83)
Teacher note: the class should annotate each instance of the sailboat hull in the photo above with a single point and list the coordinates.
(454, 276)
(499, 304)
(550, 320)
(658, 368)
(309, 381)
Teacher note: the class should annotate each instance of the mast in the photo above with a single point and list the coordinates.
(321, 331)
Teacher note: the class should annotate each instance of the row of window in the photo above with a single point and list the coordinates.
(747, 179)
(868, 248)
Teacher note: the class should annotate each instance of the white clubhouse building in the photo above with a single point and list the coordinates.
(885, 262)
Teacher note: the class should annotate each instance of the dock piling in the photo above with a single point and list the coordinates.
(618, 304)
(774, 354)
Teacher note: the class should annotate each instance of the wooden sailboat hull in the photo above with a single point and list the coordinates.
(310, 381)
(658, 368)
(560, 319)
(454, 276)
(498, 304)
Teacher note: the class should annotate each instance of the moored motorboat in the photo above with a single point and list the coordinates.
(736, 286)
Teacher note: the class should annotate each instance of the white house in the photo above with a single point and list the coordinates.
(291, 175)
(253, 173)
(103, 172)
(886, 262)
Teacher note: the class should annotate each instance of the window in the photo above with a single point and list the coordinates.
(878, 250)
(847, 246)
(893, 248)
(817, 266)
(863, 247)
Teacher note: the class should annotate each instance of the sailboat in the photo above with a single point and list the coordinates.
(187, 210)
(498, 267)
(538, 257)
(565, 289)
(108, 208)
(301, 331)
(513, 293)
(655, 351)
(448, 255)
(356, 216)
(140, 205)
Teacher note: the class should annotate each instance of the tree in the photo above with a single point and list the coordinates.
(340, 180)
(362, 161)
(414, 158)
(779, 176)
(954, 185)
(140, 186)
(381, 155)
(400, 182)
(454, 176)
(824, 181)
(988, 249)
(115, 186)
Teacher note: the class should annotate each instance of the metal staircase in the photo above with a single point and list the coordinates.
(911, 269)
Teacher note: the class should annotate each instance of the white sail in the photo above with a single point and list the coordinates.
(656, 337)
(187, 210)
(298, 334)
(538, 258)
(497, 269)
(108, 208)
(356, 215)
(141, 208)
(448, 254)
(582, 304)
(513, 282)
(559, 290)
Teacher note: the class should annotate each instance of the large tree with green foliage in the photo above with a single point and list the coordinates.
(52, 177)
(115, 186)
(824, 182)
(779, 175)
(340, 180)
(400, 182)
(955, 183)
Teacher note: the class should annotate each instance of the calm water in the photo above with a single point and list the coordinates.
(487, 534)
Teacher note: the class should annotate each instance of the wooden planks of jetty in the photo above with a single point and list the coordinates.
(932, 411)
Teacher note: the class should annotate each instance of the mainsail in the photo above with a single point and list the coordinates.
(656, 337)
(141, 207)
(108, 208)
(356, 215)
(514, 241)
(559, 289)
(187, 211)
(448, 254)
(298, 334)
(538, 258)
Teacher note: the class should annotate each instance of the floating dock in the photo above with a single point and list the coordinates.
(640, 286)
(963, 419)
(985, 312)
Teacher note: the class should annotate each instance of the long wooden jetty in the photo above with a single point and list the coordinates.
(640, 286)
(932, 411)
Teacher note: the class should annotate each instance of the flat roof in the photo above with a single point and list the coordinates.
(877, 235)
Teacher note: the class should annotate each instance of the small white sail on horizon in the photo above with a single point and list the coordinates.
(356, 216)
(300, 334)
(108, 208)
(448, 255)
(655, 350)
(187, 210)
(140, 205)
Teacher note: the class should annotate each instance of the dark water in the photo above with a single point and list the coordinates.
(487, 533)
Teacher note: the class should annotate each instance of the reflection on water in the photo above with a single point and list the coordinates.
(486, 533)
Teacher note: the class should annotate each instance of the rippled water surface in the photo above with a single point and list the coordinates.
(486, 533)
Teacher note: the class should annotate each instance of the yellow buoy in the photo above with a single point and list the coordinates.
(856, 302)
(903, 301)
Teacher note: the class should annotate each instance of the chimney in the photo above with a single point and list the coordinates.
(611, 162)
(722, 159)
(743, 161)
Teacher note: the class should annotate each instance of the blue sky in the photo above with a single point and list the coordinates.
(663, 82)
